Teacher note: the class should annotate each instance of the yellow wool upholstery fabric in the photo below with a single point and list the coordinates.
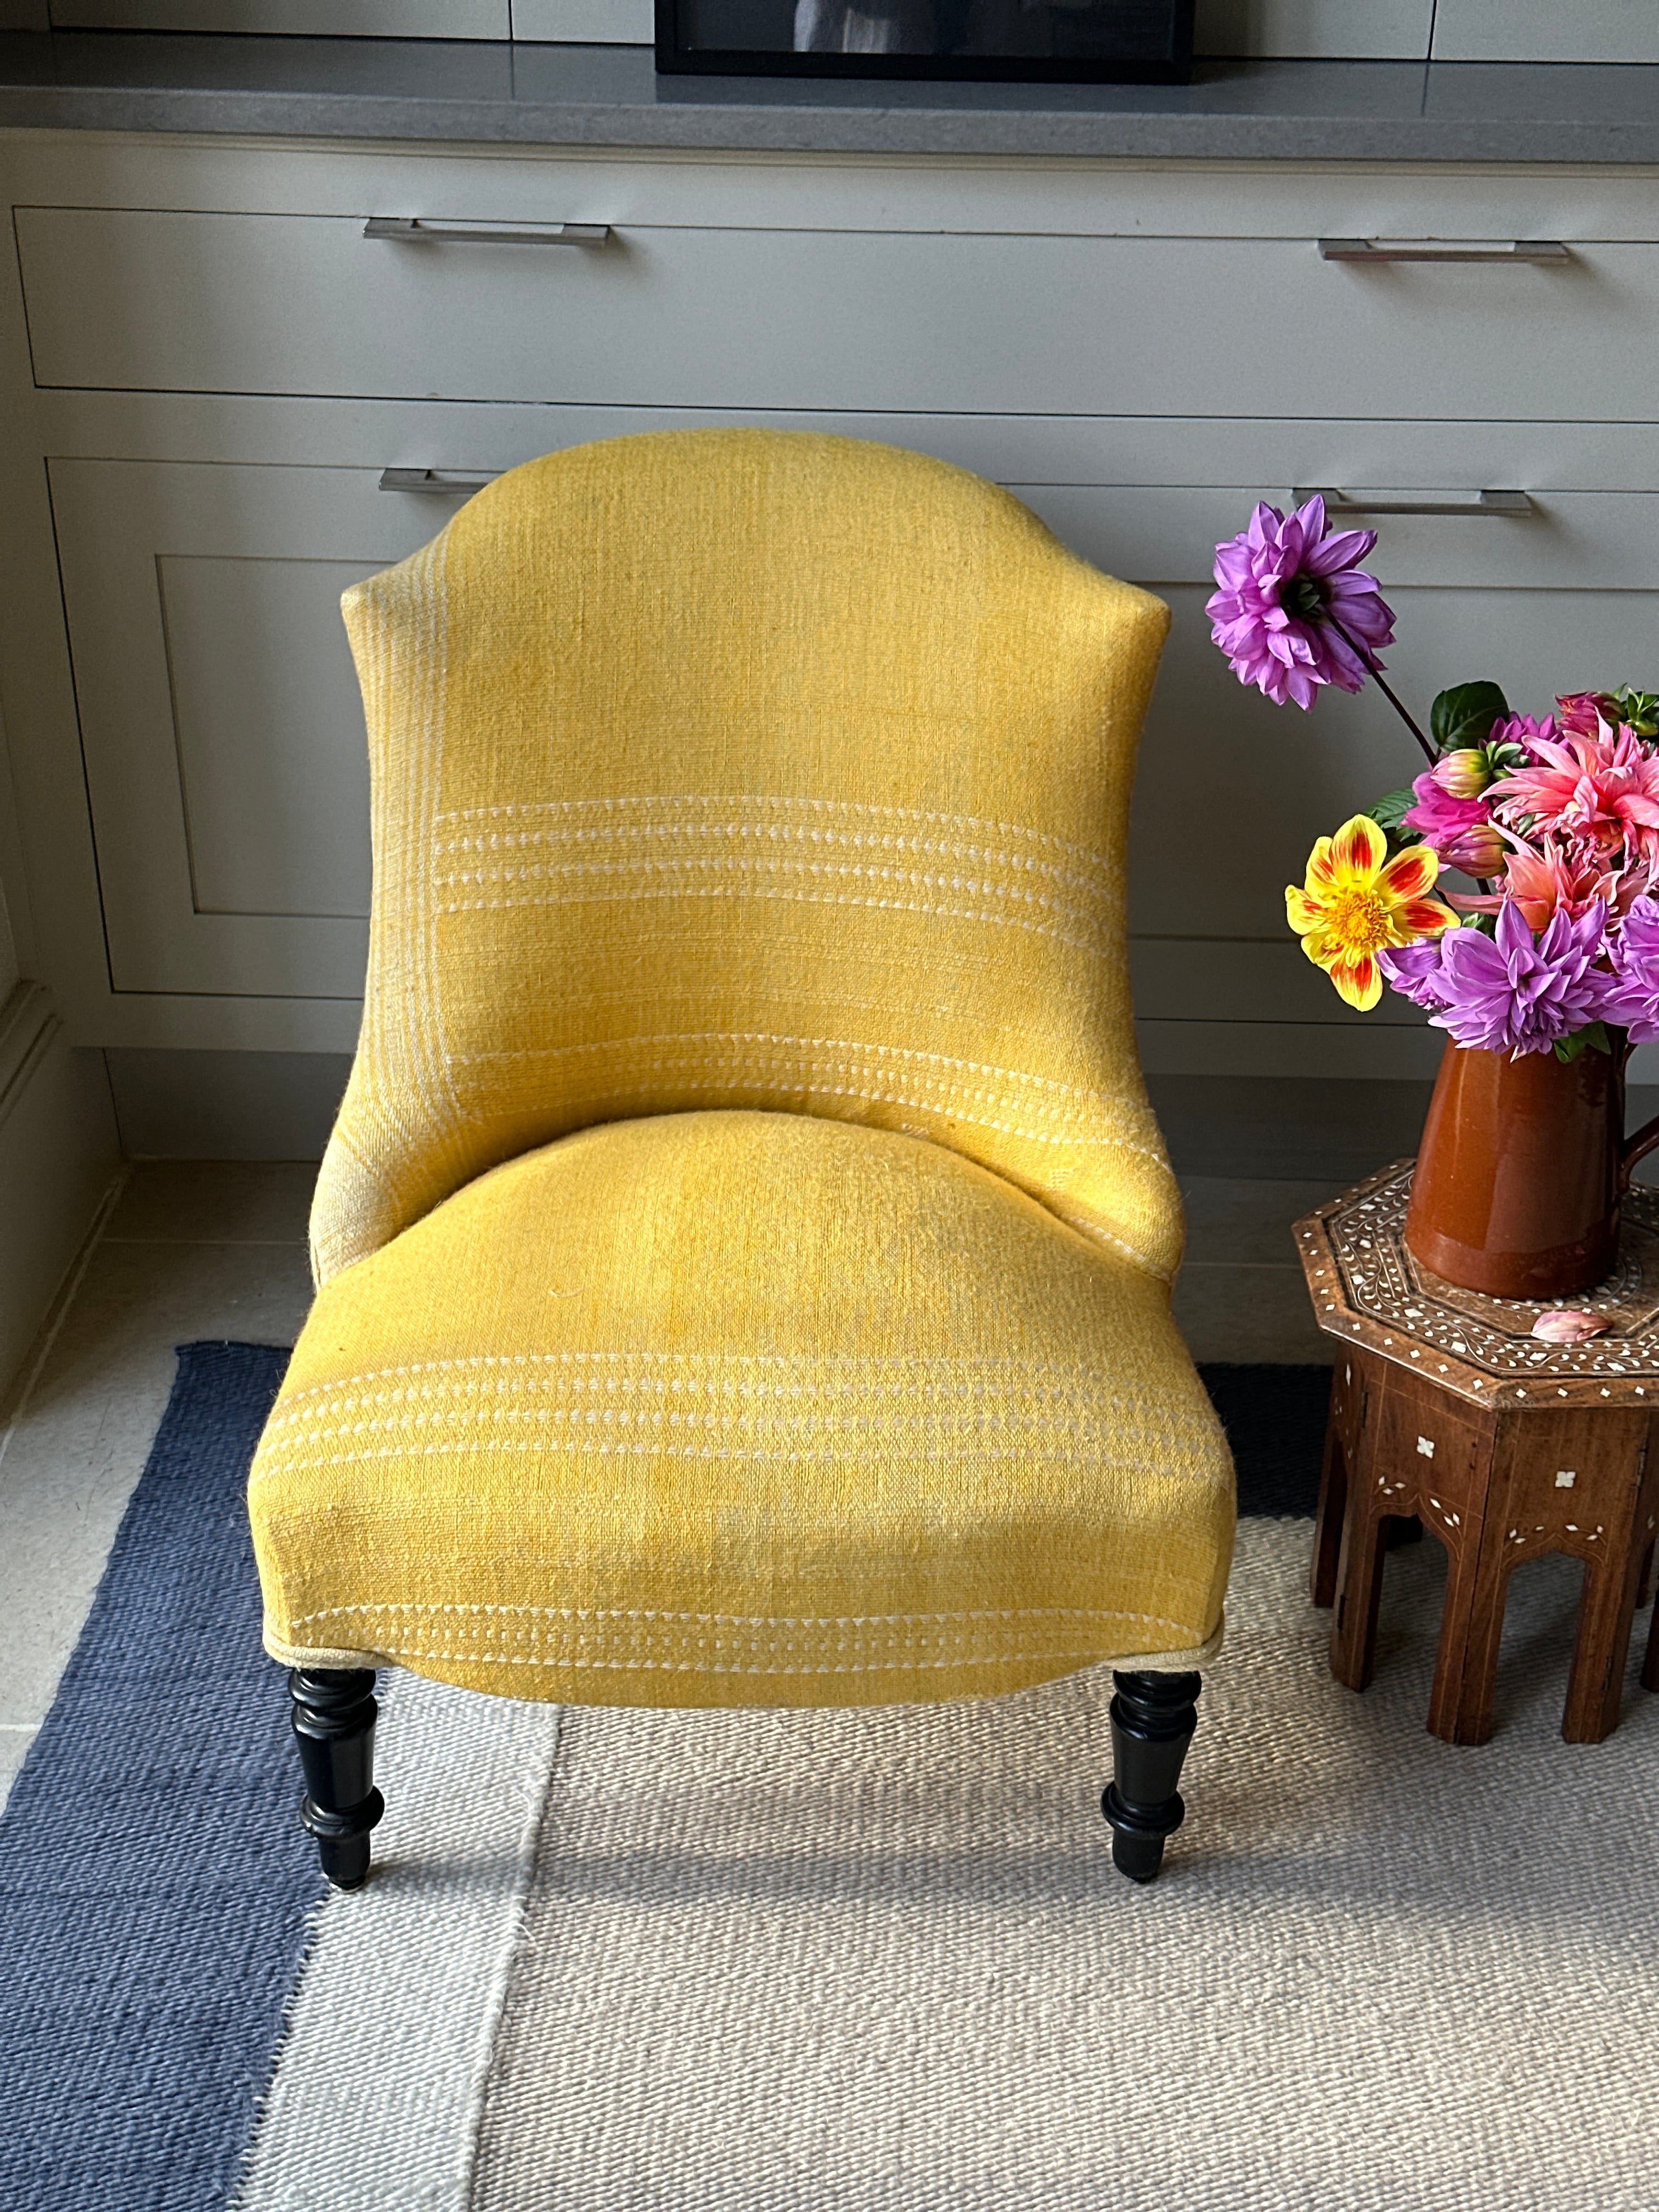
(739, 1408)
(744, 1251)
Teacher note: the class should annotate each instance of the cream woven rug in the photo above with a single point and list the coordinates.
(880, 1962)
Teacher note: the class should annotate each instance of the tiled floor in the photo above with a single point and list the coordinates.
(217, 1249)
(190, 1251)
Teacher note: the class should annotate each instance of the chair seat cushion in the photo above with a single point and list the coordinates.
(735, 1408)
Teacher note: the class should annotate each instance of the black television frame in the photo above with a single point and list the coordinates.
(676, 59)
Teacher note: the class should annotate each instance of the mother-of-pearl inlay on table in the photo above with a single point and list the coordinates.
(1445, 1409)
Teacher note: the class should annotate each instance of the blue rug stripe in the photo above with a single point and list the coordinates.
(153, 1887)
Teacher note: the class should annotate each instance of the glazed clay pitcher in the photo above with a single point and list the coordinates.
(1523, 1165)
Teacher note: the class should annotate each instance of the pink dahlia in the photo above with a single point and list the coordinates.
(1566, 875)
(1294, 608)
(1602, 789)
(1461, 830)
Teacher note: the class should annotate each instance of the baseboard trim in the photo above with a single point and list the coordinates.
(225, 1105)
(28, 1023)
(59, 1159)
(15, 1394)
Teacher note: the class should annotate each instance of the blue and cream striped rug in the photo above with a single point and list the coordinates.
(865, 1962)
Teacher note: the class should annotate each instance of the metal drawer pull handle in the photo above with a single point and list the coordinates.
(444, 481)
(1514, 503)
(415, 229)
(1429, 249)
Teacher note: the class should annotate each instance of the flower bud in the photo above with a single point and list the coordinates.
(1583, 713)
(1479, 850)
(1464, 773)
(1568, 1325)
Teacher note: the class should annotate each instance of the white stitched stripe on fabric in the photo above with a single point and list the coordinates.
(1076, 1655)
(902, 1369)
(496, 841)
(830, 1430)
(787, 897)
(303, 1461)
(609, 1371)
(586, 879)
(412, 1969)
(838, 1622)
(726, 801)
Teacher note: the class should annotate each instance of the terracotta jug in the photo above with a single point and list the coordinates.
(1523, 1165)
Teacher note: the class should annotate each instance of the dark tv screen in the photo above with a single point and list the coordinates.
(1090, 42)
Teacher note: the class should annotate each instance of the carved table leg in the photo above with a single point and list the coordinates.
(334, 1715)
(1471, 1631)
(1359, 1592)
(1647, 1512)
(1153, 1717)
(1349, 1434)
(1333, 1483)
(1596, 1687)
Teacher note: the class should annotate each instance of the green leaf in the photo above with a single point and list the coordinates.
(1386, 815)
(1639, 710)
(1595, 1037)
(1464, 715)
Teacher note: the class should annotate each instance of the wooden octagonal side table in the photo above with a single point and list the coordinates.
(1446, 1410)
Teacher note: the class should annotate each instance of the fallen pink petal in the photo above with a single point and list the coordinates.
(1568, 1325)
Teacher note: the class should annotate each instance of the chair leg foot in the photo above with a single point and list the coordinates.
(334, 1716)
(1153, 1717)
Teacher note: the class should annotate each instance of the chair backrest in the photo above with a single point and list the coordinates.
(749, 769)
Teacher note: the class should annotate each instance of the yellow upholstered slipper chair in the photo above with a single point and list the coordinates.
(743, 1253)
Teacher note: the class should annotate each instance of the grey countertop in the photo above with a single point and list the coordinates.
(546, 96)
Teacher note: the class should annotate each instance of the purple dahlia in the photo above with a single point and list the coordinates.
(1511, 993)
(1413, 970)
(1290, 589)
(1632, 999)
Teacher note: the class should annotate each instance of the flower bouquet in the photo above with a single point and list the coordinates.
(1549, 954)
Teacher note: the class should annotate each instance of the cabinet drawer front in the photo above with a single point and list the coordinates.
(337, 19)
(220, 723)
(1567, 600)
(223, 745)
(940, 322)
(1588, 31)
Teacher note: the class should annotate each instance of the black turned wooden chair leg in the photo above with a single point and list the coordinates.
(1153, 1716)
(334, 1716)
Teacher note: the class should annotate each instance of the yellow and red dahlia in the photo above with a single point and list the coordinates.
(1356, 901)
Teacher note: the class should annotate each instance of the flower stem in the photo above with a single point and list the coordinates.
(1375, 673)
